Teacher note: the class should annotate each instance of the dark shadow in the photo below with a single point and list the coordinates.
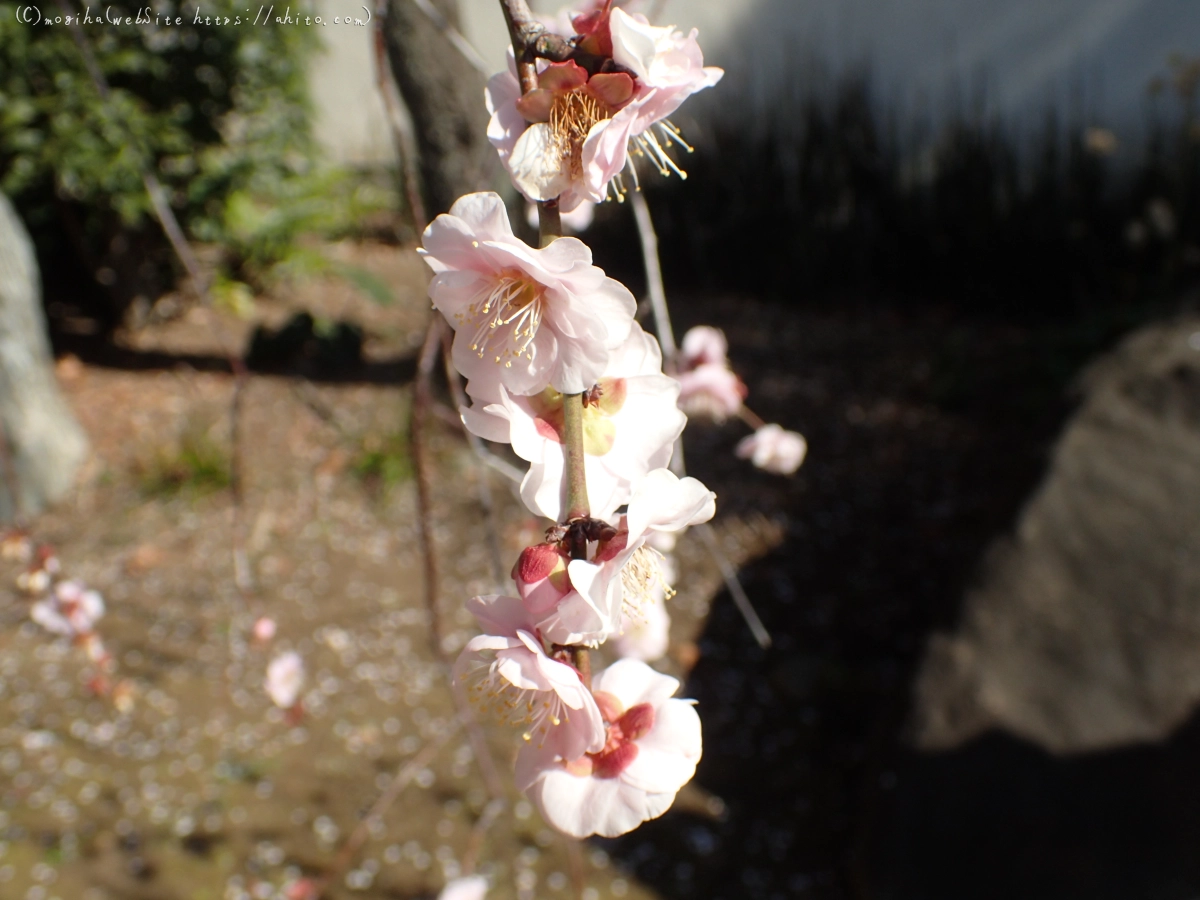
(1000, 818)
(927, 432)
(96, 350)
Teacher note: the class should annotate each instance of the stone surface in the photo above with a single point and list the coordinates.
(1084, 628)
(43, 444)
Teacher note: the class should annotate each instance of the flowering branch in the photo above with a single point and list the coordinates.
(557, 367)
(526, 34)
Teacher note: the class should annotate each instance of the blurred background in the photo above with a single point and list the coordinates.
(955, 244)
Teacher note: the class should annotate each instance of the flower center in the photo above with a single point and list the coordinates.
(641, 578)
(572, 115)
(625, 726)
(506, 320)
(536, 712)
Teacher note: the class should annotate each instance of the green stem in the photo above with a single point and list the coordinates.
(549, 222)
(577, 497)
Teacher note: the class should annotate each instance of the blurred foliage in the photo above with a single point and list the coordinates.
(383, 462)
(219, 113)
(196, 466)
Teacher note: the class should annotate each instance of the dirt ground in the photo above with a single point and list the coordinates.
(186, 782)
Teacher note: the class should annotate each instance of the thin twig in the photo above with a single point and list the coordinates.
(241, 565)
(750, 417)
(654, 279)
(740, 600)
(421, 403)
(420, 412)
(475, 843)
(666, 337)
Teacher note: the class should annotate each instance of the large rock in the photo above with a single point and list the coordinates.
(43, 443)
(1084, 631)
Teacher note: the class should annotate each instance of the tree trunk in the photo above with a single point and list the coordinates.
(44, 445)
(444, 95)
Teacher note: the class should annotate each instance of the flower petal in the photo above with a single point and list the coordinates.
(537, 164)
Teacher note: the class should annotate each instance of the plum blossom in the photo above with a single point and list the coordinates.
(472, 887)
(710, 391)
(285, 678)
(631, 421)
(263, 630)
(773, 449)
(703, 345)
(507, 669)
(707, 386)
(572, 135)
(523, 317)
(71, 610)
(541, 576)
(41, 571)
(652, 745)
(623, 571)
(646, 635)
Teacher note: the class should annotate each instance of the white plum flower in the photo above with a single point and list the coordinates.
(472, 887)
(623, 571)
(71, 610)
(524, 318)
(703, 345)
(507, 670)
(646, 634)
(652, 746)
(630, 424)
(572, 135)
(707, 386)
(774, 449)
(710, 391)
(285, 678)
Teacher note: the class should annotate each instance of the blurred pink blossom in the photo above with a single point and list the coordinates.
(472, 887)
(71, 610)
(285, 678)
(773, 449)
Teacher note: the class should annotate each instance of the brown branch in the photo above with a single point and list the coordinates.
(523, 31)
(654, 279)
(420, 414)
(420, 411)
(750, 417)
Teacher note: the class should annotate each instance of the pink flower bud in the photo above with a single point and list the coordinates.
(541, 577)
